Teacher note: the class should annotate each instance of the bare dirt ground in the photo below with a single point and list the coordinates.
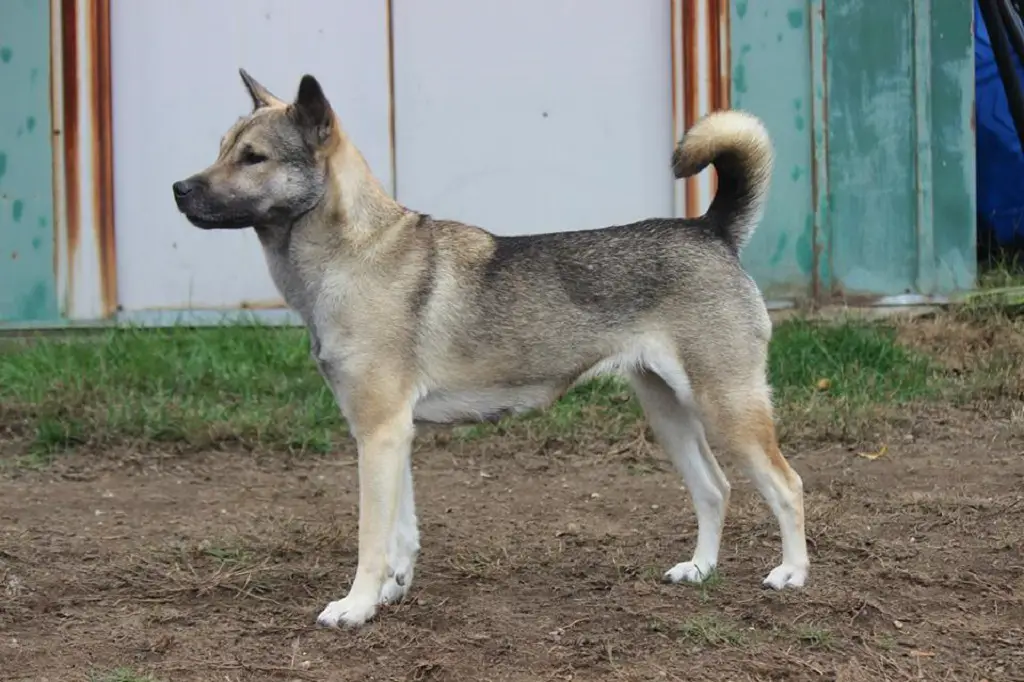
(541, 561)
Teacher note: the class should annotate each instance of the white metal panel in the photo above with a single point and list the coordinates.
(176, 91)
(535, 115)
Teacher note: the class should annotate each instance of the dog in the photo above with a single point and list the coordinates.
(414, 319)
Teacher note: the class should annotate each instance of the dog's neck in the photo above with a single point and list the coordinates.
(354, 218)
(355, 204)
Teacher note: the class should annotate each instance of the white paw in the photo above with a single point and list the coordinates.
(396, 586)
(786, 575)
(690, 572)
(352, 611)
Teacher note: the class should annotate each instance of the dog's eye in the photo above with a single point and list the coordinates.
(250, 158)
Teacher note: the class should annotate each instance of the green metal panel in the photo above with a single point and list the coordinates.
(27, 280)
(953, 145)
(900, 158)
(871, 154)
(870, 106)
(771, 77)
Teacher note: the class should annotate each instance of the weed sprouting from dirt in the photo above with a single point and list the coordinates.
(710, 631)
(815, 637)
(707, 587)
(1005, 268)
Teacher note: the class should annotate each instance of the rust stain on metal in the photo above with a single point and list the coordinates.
(703, 68)
(718, 61)
(673, 21)
(691, 95)
(103, 151)
(711, 17)
(389, 12)
(267, 304)
(69, 124)
(254, 304)
(722, 57)
(851, 300)
(95, 19)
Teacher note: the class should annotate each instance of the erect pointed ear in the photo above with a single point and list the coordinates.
(312, 111)
(261, 97)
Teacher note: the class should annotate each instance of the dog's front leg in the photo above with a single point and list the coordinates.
(404, 544)
(384, 431)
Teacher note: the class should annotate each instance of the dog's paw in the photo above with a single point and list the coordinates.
(689, 572)
(396, 587)
(352, 611)
(786, 575)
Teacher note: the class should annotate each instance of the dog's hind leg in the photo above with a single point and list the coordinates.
(740, 417)
(674, 420)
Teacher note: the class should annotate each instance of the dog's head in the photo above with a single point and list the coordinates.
(272, 165)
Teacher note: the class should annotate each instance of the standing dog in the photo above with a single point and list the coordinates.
(413, 319)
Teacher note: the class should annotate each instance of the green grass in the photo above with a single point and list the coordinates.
(709, 585)
(815, 637)
(1000, 280)
(853, 362)
(247, 385)
(711, 632)
(256, 387)
(1006, 269)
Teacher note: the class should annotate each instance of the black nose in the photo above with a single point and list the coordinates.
(181, 188)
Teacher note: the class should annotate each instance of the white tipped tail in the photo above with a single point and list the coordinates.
(739, 147)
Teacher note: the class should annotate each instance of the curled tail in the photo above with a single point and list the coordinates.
(739, 147)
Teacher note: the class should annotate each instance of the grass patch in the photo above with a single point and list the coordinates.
(707, 631)
(257, 387)
(851, 362)
(227, 555)
(839, 381)
(247, 385)
(709, 585)
(815, 637)
(1004, 267)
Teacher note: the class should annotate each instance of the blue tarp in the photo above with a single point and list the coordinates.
(1000, 161)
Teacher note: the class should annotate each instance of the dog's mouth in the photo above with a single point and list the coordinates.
(208, 220)
(197, 205)
(218, 223)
